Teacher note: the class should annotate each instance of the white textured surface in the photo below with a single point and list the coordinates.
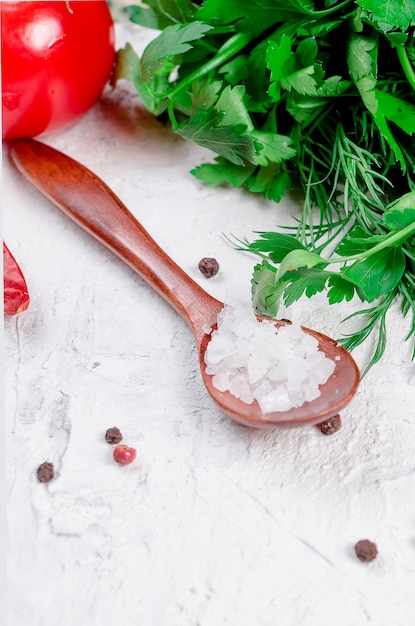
(214, 524)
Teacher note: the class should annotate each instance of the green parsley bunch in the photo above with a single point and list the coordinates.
(316, 94)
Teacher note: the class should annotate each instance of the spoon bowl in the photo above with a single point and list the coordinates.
(88, 201)
(336, 392)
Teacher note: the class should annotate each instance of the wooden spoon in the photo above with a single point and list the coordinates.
(91, 204)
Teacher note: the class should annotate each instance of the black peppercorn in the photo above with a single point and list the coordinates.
(45, 472)
(209, 267)
(113, 435)
(330, 426)
(366, 550)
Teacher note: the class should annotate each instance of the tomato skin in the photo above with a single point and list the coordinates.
(56, 58)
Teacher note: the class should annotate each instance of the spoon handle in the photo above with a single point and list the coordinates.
(86, 199)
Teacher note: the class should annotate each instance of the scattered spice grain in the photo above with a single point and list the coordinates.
(45, 472)
(124, 455)
(209, 267)
(113, 435)
(330, 426)
(366, 550)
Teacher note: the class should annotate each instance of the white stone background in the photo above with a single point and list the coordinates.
(214, 524)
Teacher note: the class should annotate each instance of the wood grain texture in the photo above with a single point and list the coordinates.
(86, 199)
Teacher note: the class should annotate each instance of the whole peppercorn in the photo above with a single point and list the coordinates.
(330, 426)
(366, 550)
(113, 435)
(209, 267)
(124, 455)
(45, 472)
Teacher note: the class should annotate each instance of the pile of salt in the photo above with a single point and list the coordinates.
(250, 359)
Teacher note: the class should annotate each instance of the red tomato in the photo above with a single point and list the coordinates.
(56, 60)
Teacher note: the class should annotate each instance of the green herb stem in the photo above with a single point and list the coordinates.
(393, 239)
(231, 47)
(332, 81)
(327, 12)
(406, 65)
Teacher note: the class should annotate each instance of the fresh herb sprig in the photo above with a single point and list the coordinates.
(315, 94)
(372, 267)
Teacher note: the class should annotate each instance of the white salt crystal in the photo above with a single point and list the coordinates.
(277, 397)
(278, 373)
(253, 361)
(256, 367)
(296, 375)
(220, 349)
(240, 388)
(311, 390)
(326, 367)
(221, 381)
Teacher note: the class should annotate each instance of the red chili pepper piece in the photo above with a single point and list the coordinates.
(16, 295)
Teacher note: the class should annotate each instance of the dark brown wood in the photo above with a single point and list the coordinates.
(88, 201)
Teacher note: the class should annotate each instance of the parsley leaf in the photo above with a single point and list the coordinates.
(161, 13)
(266, 289)
(397, 110)
(306, 282)
(231, 103)
(299, 259)
(204, 92)
(389, 15)
(172, 41)
(378, 274)
(205, 128)
(299, 93)
(339, 289)
(272, 147)
(223, 171)
(253, 16)
(362, 61)
(278, 245)
(400, 213)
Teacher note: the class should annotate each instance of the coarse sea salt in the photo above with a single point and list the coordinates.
(280, 369)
